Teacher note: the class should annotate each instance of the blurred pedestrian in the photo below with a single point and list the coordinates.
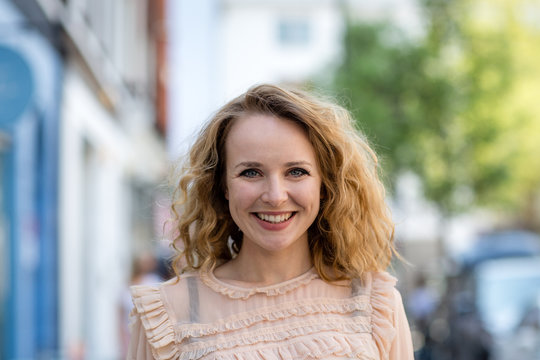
(285, 240)
(421, 303)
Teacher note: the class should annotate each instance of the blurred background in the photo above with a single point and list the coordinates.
(99, 97)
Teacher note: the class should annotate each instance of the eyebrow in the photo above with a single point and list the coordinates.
(258, 164)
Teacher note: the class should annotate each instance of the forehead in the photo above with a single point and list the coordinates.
(259, 129)
(268, 140)
(268, 121)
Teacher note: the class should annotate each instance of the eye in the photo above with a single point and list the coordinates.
(298, 172)
(250, 173)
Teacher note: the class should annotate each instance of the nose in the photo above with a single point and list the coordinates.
(275, 192)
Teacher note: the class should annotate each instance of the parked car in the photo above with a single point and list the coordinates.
(491, 306)
(508, 299)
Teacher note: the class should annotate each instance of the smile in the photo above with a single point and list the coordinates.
(274, 219)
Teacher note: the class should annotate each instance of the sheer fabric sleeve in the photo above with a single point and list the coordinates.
(389, 323)
(402, 348)
(152, 331)
(139, 348)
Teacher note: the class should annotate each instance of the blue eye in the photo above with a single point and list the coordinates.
(298, 172)
(250, 173)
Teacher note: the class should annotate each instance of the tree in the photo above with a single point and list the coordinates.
(401, 103)
(456, 107)
(495, 71)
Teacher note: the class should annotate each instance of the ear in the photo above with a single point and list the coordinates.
(226, 193)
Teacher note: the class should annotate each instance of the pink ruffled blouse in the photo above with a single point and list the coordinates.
(202, 317)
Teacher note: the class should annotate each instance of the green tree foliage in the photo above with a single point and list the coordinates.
(495, 67)
(400, 101)
(458, 106)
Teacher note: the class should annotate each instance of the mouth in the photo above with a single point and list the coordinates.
(275, 219)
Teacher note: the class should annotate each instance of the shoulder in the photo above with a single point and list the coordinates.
(382, 286)
(149, 296)
(382, 291)
(386, 303)
(377, 285)
(156, 309)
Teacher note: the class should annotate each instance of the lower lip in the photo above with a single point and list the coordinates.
(273, 227)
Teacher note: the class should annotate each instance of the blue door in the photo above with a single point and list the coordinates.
(28, 207)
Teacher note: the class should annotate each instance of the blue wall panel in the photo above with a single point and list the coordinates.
(29, 170)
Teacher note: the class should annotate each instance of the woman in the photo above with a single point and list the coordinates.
(285, 236)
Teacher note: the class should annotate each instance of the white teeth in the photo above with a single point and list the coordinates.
(274, 219)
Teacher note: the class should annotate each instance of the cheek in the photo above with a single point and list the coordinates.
(309, 196)
(241, 194)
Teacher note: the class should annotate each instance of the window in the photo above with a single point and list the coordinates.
(294, 32)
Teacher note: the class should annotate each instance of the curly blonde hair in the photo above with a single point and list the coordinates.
(353, 231)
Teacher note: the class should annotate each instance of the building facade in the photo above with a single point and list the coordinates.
(76, 159)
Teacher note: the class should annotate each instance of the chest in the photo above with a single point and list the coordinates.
(301, 324)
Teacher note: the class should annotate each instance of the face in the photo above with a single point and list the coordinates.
(273, 182)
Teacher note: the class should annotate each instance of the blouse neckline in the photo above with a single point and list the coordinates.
(244, 292)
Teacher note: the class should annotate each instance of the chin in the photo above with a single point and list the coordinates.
(277, 245)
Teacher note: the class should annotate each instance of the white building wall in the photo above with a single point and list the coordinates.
(107, 248)
(94, 228)
(277, 42)
(71, 244)
(406, 15)
(193, 69)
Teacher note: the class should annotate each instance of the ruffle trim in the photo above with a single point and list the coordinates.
(291, 341)
(321, 347)
(286, 310)
(155, 320)
(238, 292)
(382, 317)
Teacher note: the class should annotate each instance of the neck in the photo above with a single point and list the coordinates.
(263, 268)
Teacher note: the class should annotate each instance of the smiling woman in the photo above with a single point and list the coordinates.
(273, 188)
(285, 178)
